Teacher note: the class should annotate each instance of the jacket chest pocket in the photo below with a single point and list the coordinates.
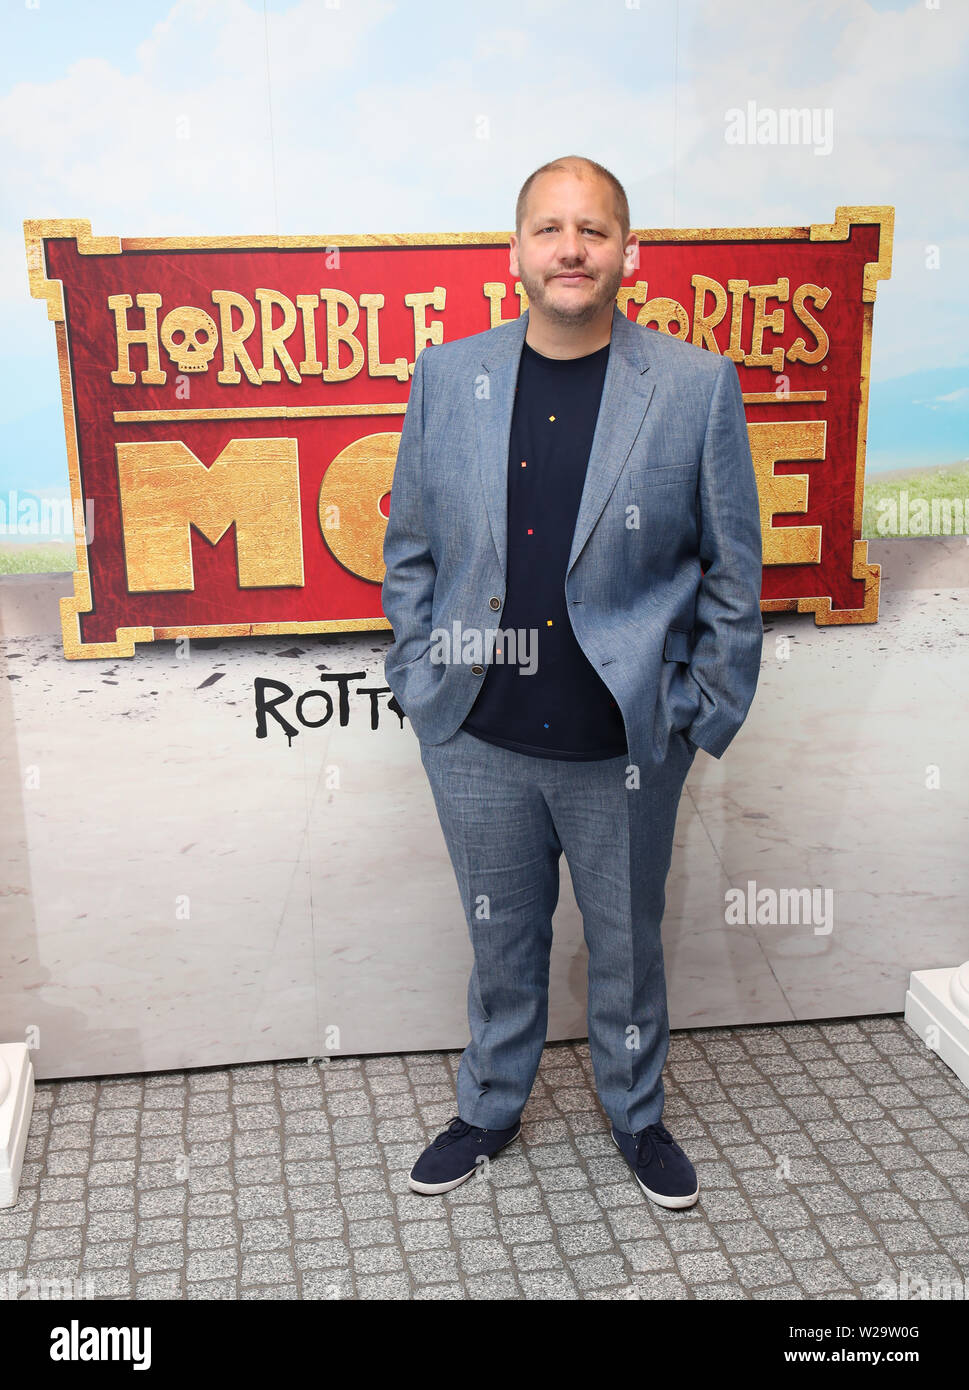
(643, 480)
(658, 502)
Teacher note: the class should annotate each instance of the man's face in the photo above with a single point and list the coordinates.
(570, 257)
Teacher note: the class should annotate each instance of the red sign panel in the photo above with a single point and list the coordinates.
(233, 407)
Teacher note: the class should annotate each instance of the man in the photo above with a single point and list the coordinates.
(588, 482)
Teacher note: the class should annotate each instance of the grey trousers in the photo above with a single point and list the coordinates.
(506, 818)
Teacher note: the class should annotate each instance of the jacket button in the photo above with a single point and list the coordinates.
(494, 603)
(477, 670)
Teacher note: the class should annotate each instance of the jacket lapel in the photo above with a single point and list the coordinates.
(626, 393)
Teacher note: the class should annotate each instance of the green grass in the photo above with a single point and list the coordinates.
(945, 483)
(52, 557)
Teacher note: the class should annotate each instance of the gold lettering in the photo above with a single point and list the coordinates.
(798, 351)
(237, 317)
(151, 303)
(337, 333)
(704, 324)
(661, 313)
(234, 338)
(773, 322)
(400, 367)
(424, 332)
(165, 491)
(494, 291)
(787, 493)
(350, 493)
(310, 365)
(635, 294)
(738, 288)
(274, 339)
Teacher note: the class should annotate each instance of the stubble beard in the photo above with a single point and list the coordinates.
(579, 313)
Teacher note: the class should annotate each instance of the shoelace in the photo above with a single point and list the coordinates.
(651, 1138)
(456, 1129)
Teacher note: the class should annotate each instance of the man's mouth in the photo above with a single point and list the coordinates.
(572, 275)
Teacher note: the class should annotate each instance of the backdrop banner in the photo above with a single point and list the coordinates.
(232, 407)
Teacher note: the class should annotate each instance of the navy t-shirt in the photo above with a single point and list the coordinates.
(564, 709)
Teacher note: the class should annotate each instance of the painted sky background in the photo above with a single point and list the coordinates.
(427, 115)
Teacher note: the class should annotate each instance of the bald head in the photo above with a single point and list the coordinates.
(579, 167)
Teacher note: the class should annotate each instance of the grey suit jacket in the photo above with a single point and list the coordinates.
(664, 576)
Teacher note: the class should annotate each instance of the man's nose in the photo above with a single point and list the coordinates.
(571, 247)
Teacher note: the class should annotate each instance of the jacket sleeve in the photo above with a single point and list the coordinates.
(408, 586)
(728, 631)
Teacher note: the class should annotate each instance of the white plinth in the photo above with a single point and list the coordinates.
(16, 1107)
(937, 1007)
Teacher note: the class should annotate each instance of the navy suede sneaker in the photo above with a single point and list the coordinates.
(661, 1167)
(452, 1158)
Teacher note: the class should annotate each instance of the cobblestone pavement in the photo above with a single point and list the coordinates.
(831, 1156)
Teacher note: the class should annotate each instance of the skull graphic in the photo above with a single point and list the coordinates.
(190, 337)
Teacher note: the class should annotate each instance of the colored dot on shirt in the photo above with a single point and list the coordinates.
(548, 622)
(524, 464)
(551, 417)
(530, 532)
